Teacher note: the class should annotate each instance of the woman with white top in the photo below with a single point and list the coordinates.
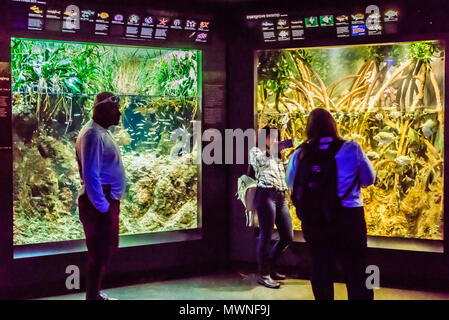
(345, 237)
(272, 208)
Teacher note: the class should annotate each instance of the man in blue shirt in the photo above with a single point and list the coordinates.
(103, 184)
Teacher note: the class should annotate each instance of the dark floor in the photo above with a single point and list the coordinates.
(240, 286)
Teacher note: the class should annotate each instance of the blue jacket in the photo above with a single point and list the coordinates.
(352, 162)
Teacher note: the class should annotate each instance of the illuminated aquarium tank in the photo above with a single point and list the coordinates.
(387, 97)
(54, 85)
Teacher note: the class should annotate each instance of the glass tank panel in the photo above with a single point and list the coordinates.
(54, 85)
(387, 97)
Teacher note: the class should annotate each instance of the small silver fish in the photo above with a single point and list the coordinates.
(384, 138)
(428, 128)
(395, 114)
(403, 160)
(372, 155)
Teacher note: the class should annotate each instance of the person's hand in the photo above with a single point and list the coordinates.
(286, 144)
(109, 209)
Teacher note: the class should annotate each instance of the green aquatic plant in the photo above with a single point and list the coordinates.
(175, 75)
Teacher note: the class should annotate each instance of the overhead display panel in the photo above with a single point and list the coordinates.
(144, 25)
(282, 26)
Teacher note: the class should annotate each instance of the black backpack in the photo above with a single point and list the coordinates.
(315, 188)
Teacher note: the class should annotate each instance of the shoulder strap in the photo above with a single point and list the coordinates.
(335, 146)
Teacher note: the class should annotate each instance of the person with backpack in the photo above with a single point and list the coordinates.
(272, 208)
(325, 174)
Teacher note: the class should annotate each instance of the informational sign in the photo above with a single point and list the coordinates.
(53, 19)
(36, 17)
(297, 27)
(391, 15)
(204, 26)
(117, 27)
(358, 30)
(214, 95)
(111, 21)
(311, 22)
(214, 104)
(133, 26)
(327, 20)
(369, 21)
(5, 104)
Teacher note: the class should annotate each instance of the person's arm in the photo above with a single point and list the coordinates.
(292, 166)
(367, 174)
(91, 158)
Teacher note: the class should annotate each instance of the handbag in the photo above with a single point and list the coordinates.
(246, 192)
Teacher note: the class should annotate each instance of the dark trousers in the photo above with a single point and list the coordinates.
(272, 208)
(346, 241)
(102, 234)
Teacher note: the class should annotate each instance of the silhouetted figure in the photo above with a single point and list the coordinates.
(326, 173)
(272, 208)
(103, 183)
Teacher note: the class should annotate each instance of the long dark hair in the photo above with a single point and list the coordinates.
(267, 129)
(321, 124)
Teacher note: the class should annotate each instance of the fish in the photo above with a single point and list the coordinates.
(358, 16)
(356, 136)
(342, 18)
(372, 155)
(395, 114)
(384, 138)
(403, 161)
(428, 128)
(144, 111)
(391, 154)
(391, 14)
(379, 116)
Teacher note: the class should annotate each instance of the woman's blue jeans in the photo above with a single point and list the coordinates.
(272, 208)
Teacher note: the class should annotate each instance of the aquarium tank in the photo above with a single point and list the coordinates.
(387, 97)
(54, 84)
